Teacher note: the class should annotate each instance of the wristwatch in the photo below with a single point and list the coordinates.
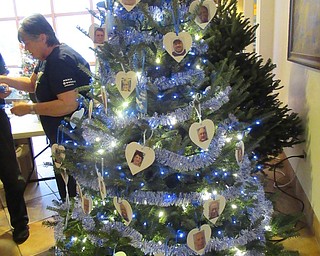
(32, 110)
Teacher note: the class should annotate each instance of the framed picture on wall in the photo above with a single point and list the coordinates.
(304, 33)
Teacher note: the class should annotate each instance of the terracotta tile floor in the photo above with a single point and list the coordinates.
(41, 240)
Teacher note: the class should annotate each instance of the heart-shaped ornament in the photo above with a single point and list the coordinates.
(159, 254)
(86, 204)
(177, 45)
(239, 152)
(102, 187)
(58, 154)
(205, 12)
(129, 4)
(90, 109)
(76, 115)
(198, 239)
(139, 157)
(126, 83)
(202, 133)
(98, 34)
(124, 209)
(92, 29)
(213, 208)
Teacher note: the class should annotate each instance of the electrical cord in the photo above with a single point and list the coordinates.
(274, 167)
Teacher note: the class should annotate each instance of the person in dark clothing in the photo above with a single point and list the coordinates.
(10, 174)
(54, 80)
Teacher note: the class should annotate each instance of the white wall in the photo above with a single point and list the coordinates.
(301, 92)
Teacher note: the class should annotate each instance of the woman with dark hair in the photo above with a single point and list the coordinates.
(137, 158)
(54, 80)
(10, 174)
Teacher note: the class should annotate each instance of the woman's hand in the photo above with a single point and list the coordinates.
(21, 109)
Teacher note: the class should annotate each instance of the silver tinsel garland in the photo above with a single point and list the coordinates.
(263, 209)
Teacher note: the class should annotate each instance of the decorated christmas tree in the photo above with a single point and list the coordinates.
(160, 158)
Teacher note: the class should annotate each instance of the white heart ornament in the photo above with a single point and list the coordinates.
(177, 45)
(139, 157)
(86, 204)
(90, 109)
(126, 83)
(102, 187)
(202, 133)
(78, 115)
(239, 152)
(129, 4)
(92, 29)
(213, 208)
(198, 239)
(205, 12)
(98, 34)
(124, 209)
(58, 154)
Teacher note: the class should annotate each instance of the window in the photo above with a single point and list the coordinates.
(63, 15)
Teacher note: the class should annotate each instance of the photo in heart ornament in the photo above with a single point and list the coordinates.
(177, 45)
(202, 133)
(126, 82)
(139, 157)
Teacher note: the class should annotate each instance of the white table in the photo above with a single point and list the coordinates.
(23, 129)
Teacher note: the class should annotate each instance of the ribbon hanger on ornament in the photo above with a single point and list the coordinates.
(197, 106)
(202, 132)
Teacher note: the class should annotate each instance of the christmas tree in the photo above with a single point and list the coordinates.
(160, 158)
(273, 126)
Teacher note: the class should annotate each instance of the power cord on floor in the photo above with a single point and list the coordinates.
(274, 169)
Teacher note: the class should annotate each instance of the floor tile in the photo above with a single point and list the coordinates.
(41, 239)
(52, 184)
(4, 221)
(37, 208)
(35, 190)
(306, 243)
(7, 246)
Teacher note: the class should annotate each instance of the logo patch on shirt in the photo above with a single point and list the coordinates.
(68, 82)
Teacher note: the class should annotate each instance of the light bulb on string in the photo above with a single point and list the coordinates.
(197, 37)
(239, 136)
(119, 114)
(125, 104)
(228, 139)
(206, 195)
(113, 144)
(172, 120)
(101, 151)
(161, 214)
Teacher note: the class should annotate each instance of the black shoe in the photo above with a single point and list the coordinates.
(21, 234)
